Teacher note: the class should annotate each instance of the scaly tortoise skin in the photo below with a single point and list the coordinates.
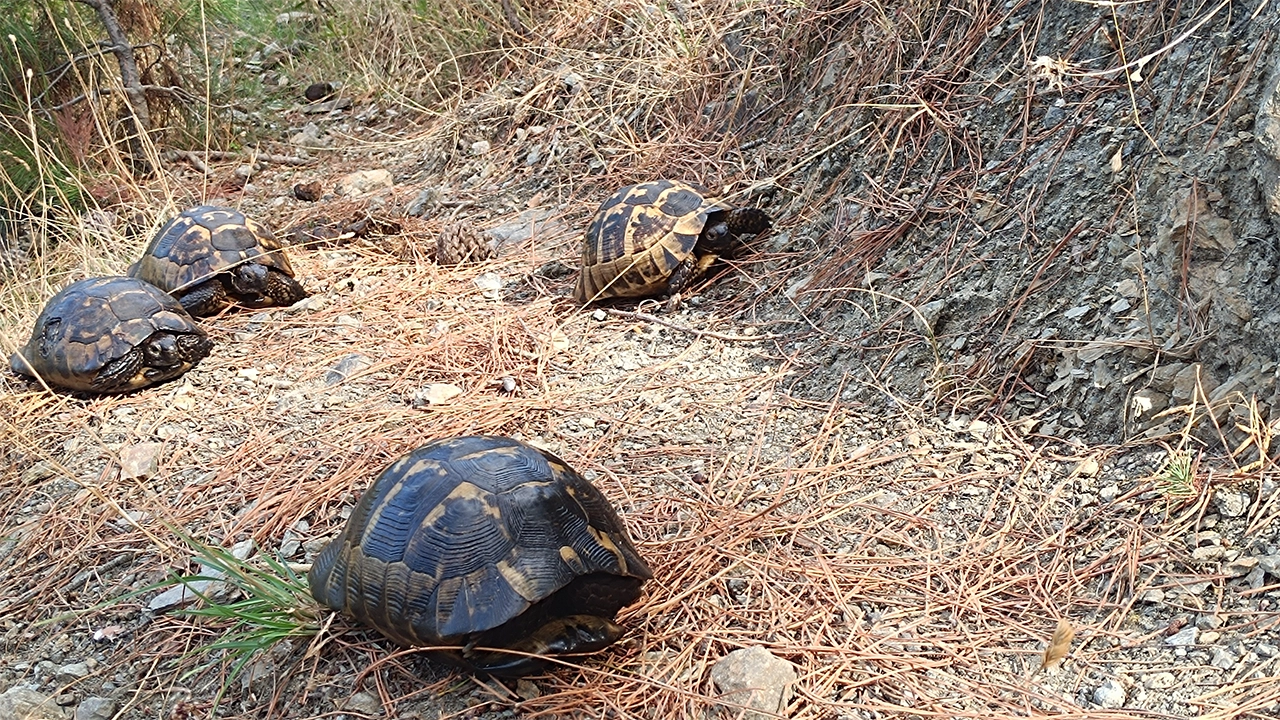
(209, 257)
(483, 542)
(657, 238)
(111, 335)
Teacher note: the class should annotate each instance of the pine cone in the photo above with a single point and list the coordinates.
(459, 242)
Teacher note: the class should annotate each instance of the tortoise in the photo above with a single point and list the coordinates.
(209, 257)
(483, 544)
(111, 335)
(657, 238)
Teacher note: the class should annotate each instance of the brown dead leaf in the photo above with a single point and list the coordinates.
(1059, 645)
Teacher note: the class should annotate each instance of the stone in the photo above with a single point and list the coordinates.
(927, 315)
(1231, 503)
(1160, 681)
(489, 284)
(362, 182)
(95, 708)
(1270, 564)
(1240, 567)
(1110, 694)
(23, 703)
(435, 393)
(345, 367)
(426, 201)
(1266, 129)
(309, 136)
(754, 678)
(1185, 636)
(364, 703)
(71, 672)
(528, 224)
(140, 461)
(308, 191)
(1223, 658)
(480, 147)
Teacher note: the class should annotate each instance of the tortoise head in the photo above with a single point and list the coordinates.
(249, 279)
(161, 350)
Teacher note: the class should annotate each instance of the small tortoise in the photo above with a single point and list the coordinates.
(111, 335)
(657, 238)
(483, 543)
(209, 257)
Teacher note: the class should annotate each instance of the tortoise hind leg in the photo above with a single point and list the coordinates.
(283, 289)
(206, 298)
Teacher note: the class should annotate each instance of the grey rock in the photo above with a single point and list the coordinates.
(754, 678)
(72, 671)
(424, 204)
(365, 704)
(1240, 567)
(1110, 694)
(184, 593)
(347, 366)
(23, 703)
(927, 315)
(95, 708)
(1223, 658)
(309, 135)
(1185, 636)
(1231, 503)
(1266, 130)
(361, 182)
(1270, 564)
(526, 225)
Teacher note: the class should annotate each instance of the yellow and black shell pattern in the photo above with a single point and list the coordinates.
(483, 543)
(639, 236)
(111, 335)
(202, 242)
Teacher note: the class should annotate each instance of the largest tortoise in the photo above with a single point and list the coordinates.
(209, 257)
(111, 335)
(657, 238)
(483, 544)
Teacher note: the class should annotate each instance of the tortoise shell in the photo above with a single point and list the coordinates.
(209, 256)
(639, 236)
(483, 542)
(109, 335)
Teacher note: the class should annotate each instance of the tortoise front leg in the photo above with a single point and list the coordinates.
(283, 289)
(206, 298)
(119, 375)
(688, 272)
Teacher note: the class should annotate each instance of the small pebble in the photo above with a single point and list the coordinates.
(1185, 636)
(1110, 694)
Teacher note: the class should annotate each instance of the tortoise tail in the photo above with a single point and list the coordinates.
(747, 221)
